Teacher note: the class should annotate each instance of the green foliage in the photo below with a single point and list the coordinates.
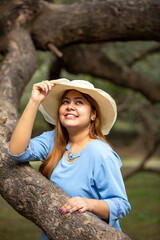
(1, 58)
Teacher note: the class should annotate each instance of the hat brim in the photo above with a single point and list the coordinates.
(107, 105)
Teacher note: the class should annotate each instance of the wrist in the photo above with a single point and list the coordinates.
(34, 103)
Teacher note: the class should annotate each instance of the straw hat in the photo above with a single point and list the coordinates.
(106, 103)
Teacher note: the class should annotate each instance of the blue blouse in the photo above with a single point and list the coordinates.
(94, 175)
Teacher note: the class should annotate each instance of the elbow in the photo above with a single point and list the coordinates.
(13, 151)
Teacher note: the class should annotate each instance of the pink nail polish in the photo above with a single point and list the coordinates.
(80, 210)
(62, 211)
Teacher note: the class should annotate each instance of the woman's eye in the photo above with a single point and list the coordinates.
(79, 102)
(65, 102)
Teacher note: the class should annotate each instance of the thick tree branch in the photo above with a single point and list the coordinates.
(92, 60)
(76, 23)
(18, 66)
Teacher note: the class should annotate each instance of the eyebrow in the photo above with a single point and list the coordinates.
(74, 98)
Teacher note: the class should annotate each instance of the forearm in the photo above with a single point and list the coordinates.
(99, 208)
(22, 133)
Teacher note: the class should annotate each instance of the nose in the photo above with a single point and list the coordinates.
(71, 106)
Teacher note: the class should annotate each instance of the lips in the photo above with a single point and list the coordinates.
(70, 115)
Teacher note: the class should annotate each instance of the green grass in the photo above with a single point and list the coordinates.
(143, 193)
(15, 227)
(141, 224)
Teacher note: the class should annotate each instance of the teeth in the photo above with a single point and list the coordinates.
(70, 115)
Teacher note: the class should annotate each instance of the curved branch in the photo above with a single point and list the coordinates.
(141, 166)
(77, 59)
(82, 22)
(153, 50)
(152, 170)
(17, 67)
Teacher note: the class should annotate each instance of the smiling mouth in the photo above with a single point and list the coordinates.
(68, 115)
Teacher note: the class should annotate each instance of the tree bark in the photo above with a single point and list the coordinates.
(76, 23)
(122, 21)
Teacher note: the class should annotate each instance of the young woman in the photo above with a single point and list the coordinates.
(76, 157)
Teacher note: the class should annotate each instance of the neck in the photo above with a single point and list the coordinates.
(76, 138)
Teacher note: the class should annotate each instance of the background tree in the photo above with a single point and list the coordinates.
(62, 29)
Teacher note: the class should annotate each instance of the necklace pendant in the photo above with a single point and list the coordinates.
(70, 157)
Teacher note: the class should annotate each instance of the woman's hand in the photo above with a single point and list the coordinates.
(77, 204)
(97, 207)
(40, 90)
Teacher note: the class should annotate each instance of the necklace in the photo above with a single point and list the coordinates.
(70, 156)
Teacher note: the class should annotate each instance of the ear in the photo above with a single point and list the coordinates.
(93, 115)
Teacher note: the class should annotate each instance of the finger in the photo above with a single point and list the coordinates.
(48, 85)
(82, 210)
(73, 208)
(73, 204)
(45, 86)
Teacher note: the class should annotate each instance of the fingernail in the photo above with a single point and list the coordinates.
(44, 90)
(80, 210)
(50, 89)
(68, 211)
(62, 211)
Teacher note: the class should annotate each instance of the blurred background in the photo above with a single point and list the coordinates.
(134, 138)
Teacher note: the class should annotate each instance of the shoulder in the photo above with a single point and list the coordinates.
(99, 147)
(45, 136)
(102, 153)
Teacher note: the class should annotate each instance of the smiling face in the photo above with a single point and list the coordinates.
(75, 112)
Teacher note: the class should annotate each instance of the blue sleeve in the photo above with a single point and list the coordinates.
(110, 185)
(38, 149)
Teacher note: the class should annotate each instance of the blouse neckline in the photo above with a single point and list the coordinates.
(71, 158)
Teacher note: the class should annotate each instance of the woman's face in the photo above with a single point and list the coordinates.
(75, 111)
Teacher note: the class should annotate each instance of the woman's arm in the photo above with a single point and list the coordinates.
(22, 133)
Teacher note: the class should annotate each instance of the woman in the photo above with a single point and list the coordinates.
(76, 156)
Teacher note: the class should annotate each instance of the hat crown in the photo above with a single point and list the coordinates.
(82, 84)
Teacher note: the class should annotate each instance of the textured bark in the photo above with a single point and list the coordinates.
(68, 24)
(76, 23)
